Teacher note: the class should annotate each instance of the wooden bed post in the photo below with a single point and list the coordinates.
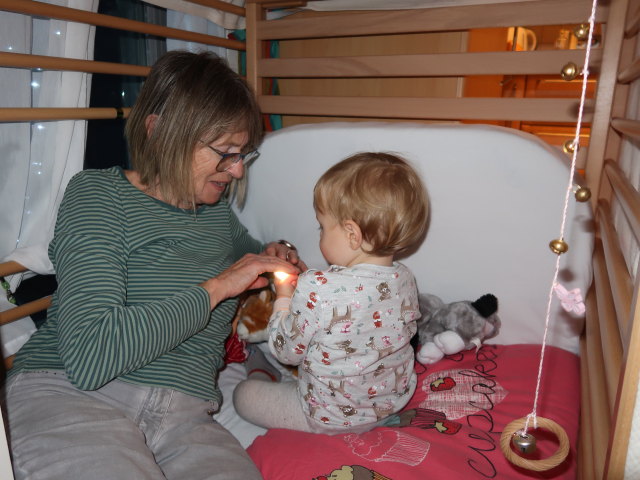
(255, 13)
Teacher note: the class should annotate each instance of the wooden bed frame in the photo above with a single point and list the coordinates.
(610, 349)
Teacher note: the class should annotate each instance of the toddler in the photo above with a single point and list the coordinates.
(348, 327)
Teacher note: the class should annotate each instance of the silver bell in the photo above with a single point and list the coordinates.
(524, 442)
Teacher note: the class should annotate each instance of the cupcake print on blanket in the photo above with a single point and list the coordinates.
(385, 445)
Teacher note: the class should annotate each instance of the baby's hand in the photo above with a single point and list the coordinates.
(285, 284)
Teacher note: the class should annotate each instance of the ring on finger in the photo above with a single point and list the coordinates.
(287, 244)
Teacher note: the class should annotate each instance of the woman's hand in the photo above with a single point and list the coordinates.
(284, 252)
(244, 275)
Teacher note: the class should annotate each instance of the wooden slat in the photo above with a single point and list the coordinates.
(10, 268)
(621, 284)
(628, 196)
(426, 65)
(8, 316)
(586, 449)
(40, 9)
(630, 128)
(599, 405)
(631, 73)
(254, 52)
(528, 109)
(599, 412)
(543, 12)
(22, 60)
(46, 114)
(606, 324)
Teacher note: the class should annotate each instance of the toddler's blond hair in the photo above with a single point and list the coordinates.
(382, 194)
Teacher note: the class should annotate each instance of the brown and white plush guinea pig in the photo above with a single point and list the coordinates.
(253, 316)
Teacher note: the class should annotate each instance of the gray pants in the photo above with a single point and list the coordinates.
(119, 431)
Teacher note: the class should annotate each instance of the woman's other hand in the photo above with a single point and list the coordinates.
(285, 252)
(245, 274)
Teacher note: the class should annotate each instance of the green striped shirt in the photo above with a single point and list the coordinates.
(127, 304)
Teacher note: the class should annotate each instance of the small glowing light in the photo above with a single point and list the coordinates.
(122, 94)
(9, 47)
(35, 84)
(58, 32)
(40, 126)
(280, 275)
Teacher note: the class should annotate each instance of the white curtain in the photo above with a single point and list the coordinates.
(217, 17)
(185, 21)
(38, 158)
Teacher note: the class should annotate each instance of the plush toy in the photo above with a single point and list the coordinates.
(445, 329)
(253, 316)
(251, 322)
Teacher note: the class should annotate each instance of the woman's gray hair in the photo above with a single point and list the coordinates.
(193, 97)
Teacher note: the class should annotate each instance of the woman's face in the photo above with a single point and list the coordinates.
(208, 183)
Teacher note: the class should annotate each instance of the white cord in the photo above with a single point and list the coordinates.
(576, 142)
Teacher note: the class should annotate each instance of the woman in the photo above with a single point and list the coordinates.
(121, 380)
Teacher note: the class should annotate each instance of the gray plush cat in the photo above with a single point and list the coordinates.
(445, 329)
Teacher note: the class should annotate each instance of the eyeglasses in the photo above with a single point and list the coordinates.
(228, 160)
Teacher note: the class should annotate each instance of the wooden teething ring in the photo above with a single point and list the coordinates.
(536, 465)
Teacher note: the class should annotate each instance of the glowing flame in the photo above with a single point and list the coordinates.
(280, 275)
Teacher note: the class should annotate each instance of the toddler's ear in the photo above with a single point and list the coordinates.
(354, 234)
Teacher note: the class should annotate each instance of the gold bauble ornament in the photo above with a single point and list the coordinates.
(581, 31)
(583, 194)
(569, 146)
(569, 71)
(558, 246)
